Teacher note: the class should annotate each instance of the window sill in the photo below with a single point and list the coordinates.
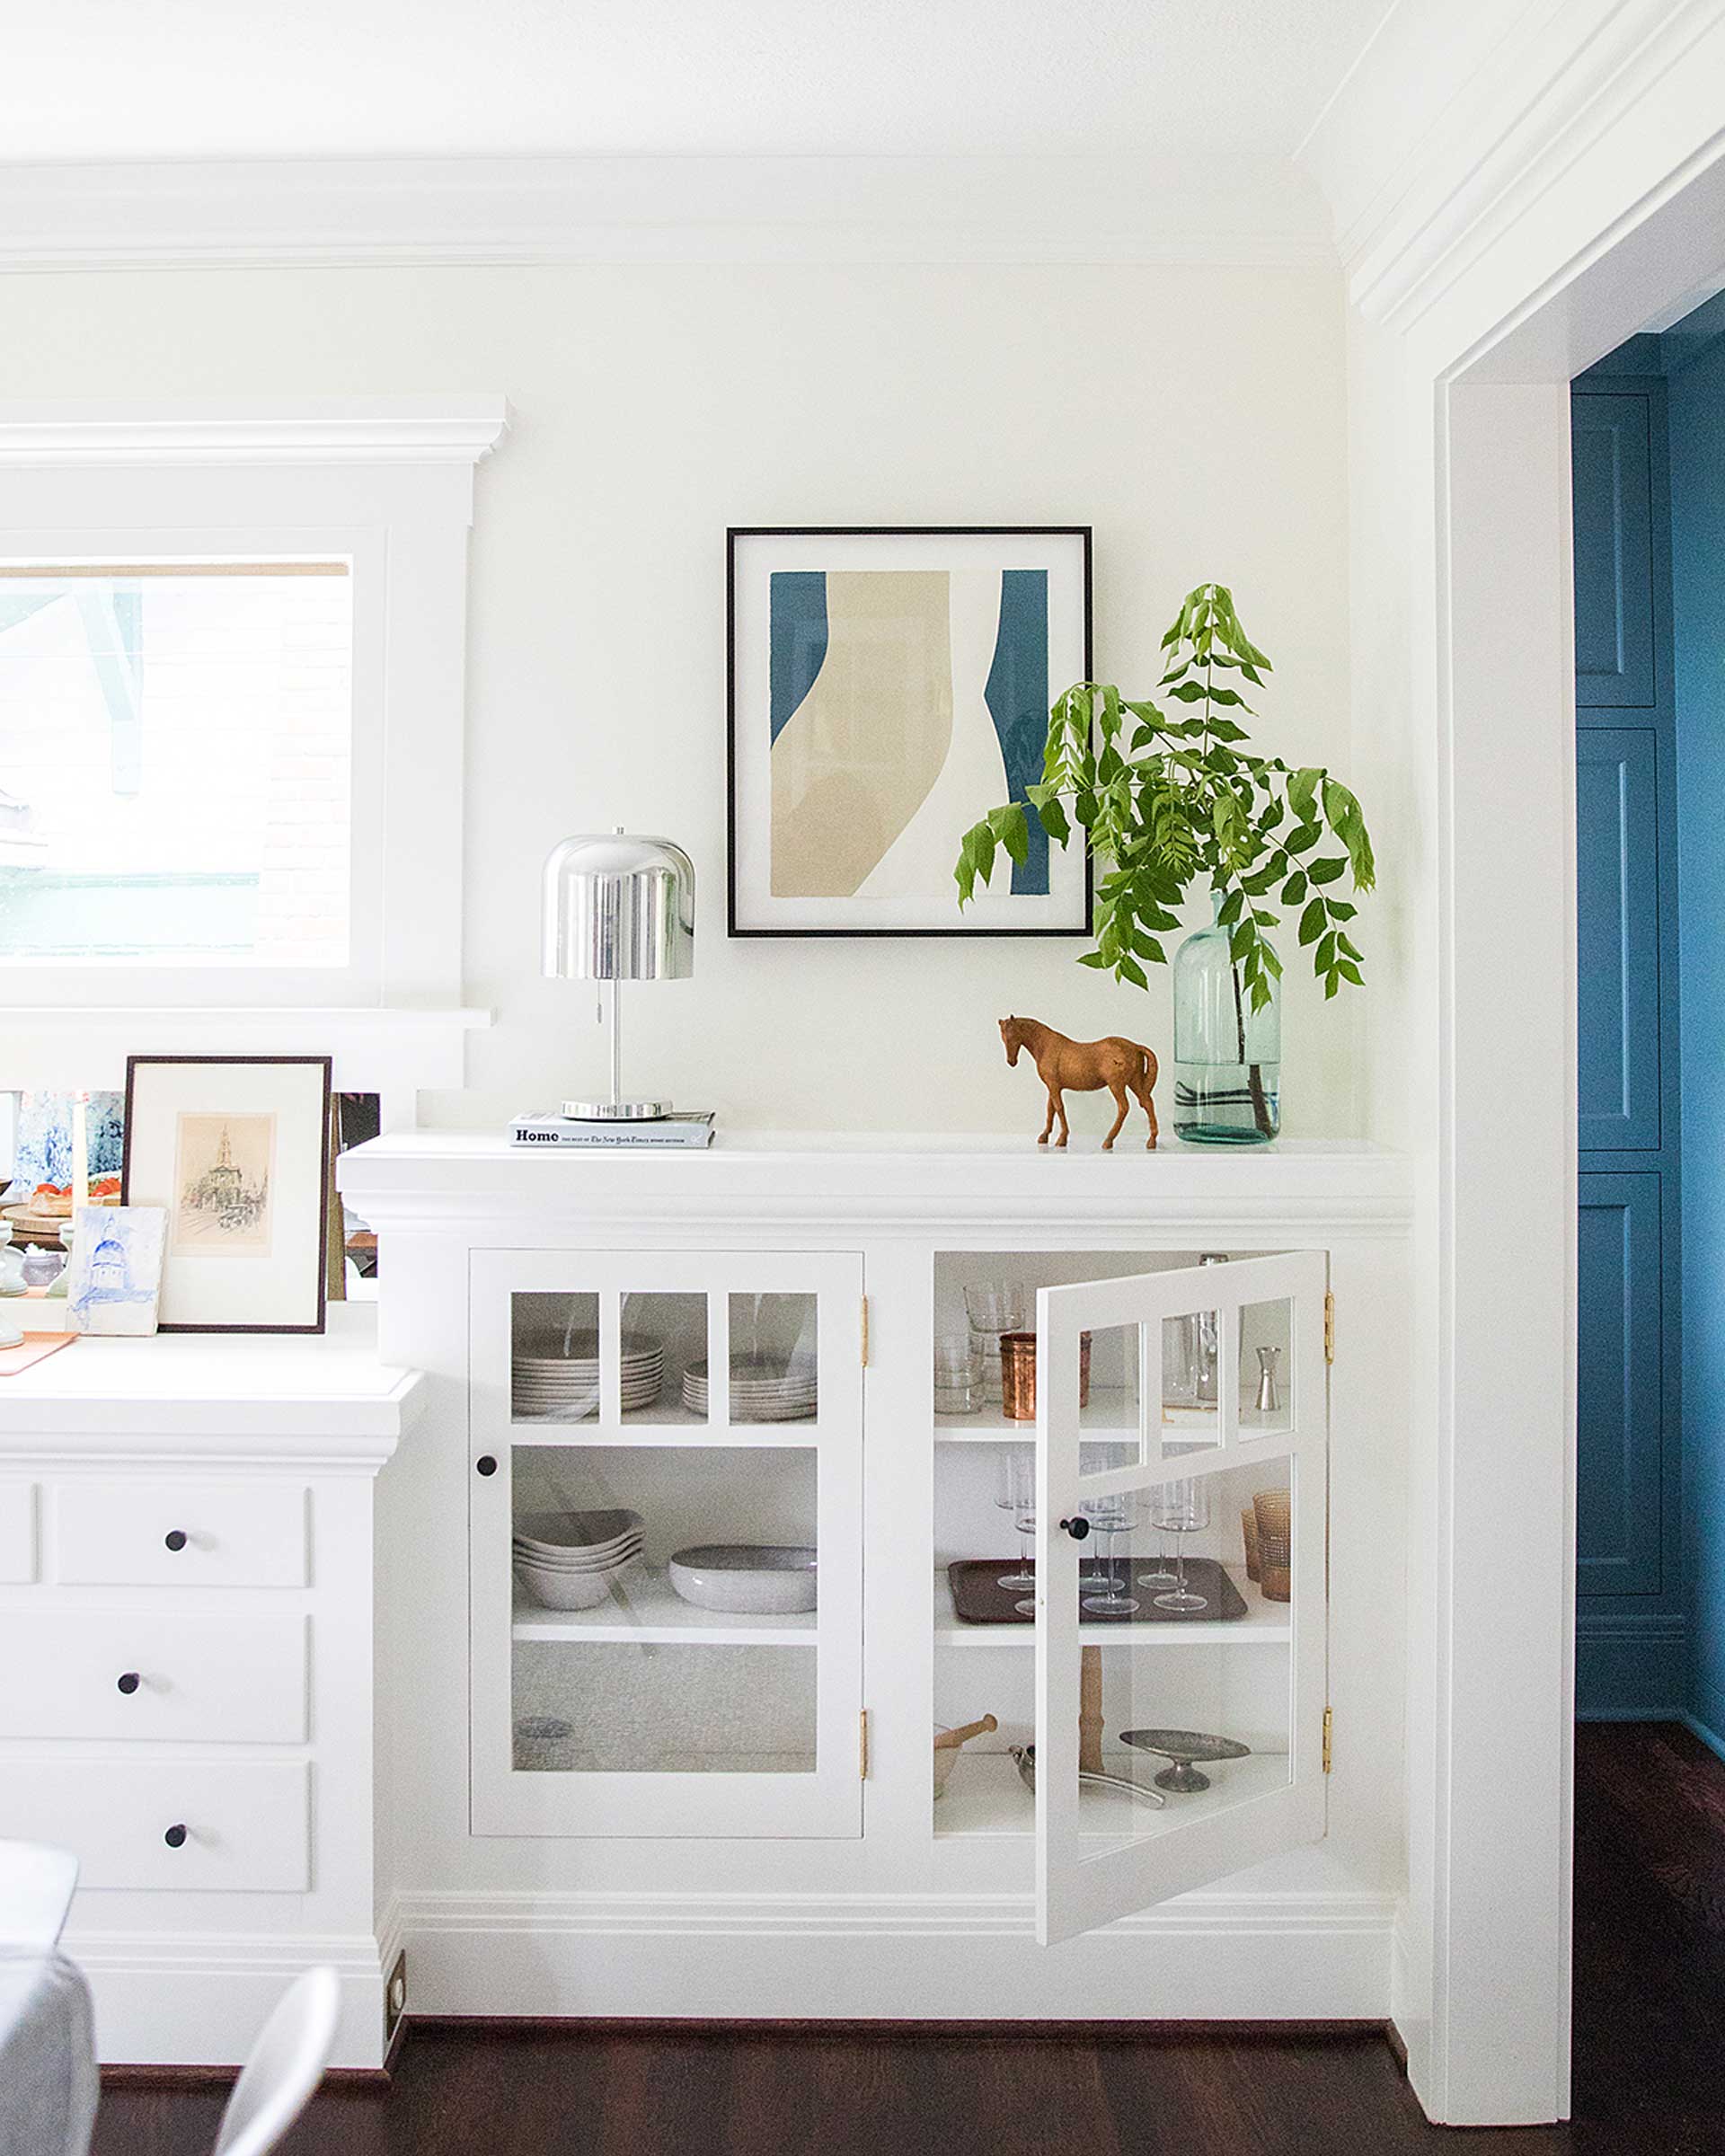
(391, 1052)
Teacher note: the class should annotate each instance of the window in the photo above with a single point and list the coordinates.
(176, 762)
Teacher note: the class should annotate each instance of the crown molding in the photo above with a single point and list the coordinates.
(346, 430)
(1492, 107)
(1251, 211)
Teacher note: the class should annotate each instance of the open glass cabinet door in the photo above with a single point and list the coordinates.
(1199, 1450)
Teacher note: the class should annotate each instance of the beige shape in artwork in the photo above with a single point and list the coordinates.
(857, 757)
(223, 1171)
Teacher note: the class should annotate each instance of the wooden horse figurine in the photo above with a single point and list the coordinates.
(1084, 1066)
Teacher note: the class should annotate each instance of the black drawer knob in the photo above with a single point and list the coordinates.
(126, 1681)
(1077, 1529)
(175, 1538)
(486, 1463)
(175, 1837)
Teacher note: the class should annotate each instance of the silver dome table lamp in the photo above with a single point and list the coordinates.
(618, 908)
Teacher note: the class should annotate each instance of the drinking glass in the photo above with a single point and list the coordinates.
(1015, 1493)
(958, 1376)
(1111, 1517)
(994, 1307)
(1180, 1510)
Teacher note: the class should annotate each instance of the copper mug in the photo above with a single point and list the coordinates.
(1018, 1374)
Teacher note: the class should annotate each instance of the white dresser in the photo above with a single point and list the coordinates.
(186, 1671)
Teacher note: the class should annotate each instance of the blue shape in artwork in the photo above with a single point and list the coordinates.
(797, 639)
(1017, 695)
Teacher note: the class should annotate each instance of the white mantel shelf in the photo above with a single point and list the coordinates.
(425, 1180)
(317, 1395)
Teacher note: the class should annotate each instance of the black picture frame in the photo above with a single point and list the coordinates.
(322, 1063)
(736, 533)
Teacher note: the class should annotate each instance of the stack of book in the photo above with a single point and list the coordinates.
(692, 1130)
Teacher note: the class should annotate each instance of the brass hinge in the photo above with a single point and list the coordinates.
(1329, 1327)
(863, 1745)
(1326, 1739)
(865, 1332)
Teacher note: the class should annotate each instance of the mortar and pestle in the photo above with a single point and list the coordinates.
(947, 1743)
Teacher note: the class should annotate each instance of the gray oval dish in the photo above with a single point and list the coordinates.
(745, 1578)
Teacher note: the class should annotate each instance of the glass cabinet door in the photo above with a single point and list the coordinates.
(666, 1509)
(1170, 1748)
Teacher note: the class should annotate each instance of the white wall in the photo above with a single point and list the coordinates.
(1195, 418)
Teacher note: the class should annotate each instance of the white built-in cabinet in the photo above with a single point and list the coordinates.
(646, 1717)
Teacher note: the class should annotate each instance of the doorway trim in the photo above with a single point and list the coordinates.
(1602, 213)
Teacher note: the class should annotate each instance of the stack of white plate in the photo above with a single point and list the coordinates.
(565, 1387)
(763, 1388)
(567, 1561)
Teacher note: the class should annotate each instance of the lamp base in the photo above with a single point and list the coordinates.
(616, 1111)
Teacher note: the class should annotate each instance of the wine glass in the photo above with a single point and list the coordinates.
(1095, 1457)
(1015, 1493)
(1180, 1510)
(1161, 1577)
(1111, 1517)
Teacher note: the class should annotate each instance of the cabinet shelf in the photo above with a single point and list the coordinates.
(666, 1424)
(1264, 1624)
(985, 1796)
(643, 1610)
(1109, 1417)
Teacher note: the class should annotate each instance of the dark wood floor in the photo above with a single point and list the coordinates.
(1649, 2035)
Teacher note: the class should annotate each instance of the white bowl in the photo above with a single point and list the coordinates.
(576, 1532)
(746, 1577)
(567, 1590)
(609, 1563)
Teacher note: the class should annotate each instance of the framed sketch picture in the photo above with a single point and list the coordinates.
(236, 1149)
(888, 687)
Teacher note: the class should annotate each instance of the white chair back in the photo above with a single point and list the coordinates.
(36, 1884)
(285, 2064)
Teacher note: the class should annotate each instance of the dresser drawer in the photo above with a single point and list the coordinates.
(206, 1825)
(150, 1533)
(238, 1679)
(17, 1531)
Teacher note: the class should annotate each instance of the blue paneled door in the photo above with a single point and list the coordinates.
(1617, 927)
(1628, 1553)
(1610, 463)
(1620, 1482)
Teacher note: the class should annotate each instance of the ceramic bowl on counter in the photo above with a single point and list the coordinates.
(747, 1578)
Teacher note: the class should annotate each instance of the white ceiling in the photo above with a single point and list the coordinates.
(105, 81)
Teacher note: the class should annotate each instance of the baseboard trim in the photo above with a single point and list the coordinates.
(157, 1994)
(1697, 1729)
(694, 1960)
(893, 1916)
(885, 2029)
(338, 2080)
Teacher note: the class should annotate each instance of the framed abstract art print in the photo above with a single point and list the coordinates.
(235, 1150)
(888, 687)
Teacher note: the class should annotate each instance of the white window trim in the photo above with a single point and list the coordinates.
(388, 480)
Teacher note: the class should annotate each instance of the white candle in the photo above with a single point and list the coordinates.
(80, 1152)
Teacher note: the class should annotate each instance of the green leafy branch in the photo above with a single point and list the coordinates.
(1166, 798)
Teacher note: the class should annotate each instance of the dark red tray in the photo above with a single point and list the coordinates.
(979, 1597)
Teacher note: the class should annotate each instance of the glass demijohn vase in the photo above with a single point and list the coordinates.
(1228, 1056)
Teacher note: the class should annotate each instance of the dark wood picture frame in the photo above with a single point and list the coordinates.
(1080, 532)
(319, 1254)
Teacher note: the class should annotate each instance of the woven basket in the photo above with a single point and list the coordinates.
(1273, 1510)
(1248, 1530)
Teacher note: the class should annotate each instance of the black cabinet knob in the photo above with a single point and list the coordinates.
(126, 1681)
(175, 1837)
(1077, 1529)
(486, 1463)
(175, 1538)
